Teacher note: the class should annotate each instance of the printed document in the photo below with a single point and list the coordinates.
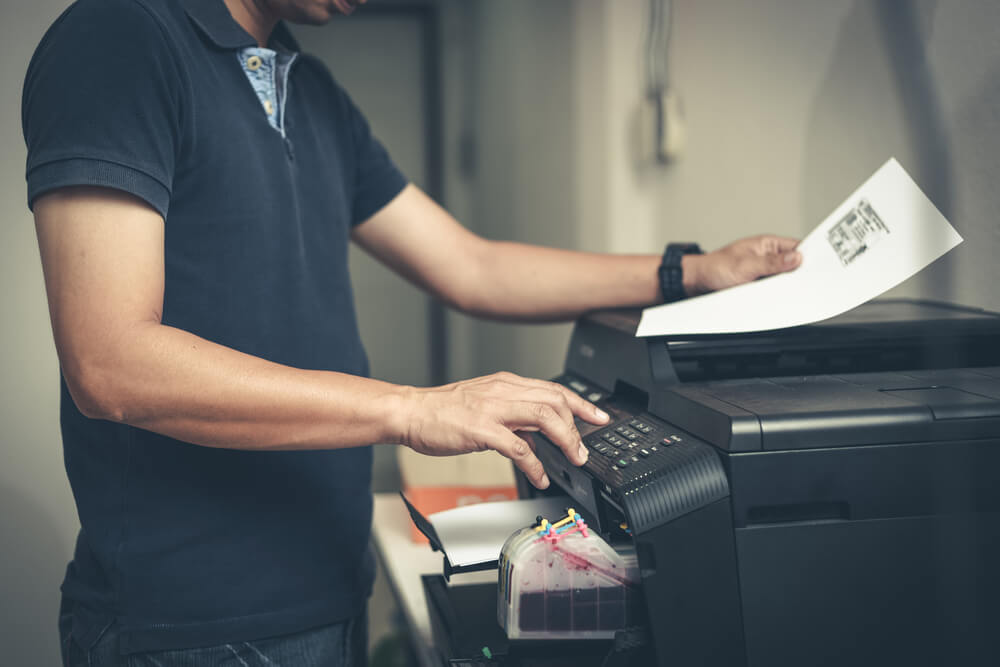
(885, 232)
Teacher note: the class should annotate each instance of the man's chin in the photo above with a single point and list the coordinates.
(316, 12)
(313, 14)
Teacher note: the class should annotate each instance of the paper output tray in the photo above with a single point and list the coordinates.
(470, 537)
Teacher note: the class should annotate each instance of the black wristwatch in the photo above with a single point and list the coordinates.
(671, 271)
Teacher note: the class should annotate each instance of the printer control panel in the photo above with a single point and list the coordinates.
(631, 446)
(641, 471)
(629, 449)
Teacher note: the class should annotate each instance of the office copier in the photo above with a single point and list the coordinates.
(822, 495)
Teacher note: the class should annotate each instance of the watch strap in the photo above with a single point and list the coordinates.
(672, 271)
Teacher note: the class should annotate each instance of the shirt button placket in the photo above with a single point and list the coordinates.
(260, 69)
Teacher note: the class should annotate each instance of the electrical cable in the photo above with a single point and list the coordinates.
(663, 105)
(657, 47)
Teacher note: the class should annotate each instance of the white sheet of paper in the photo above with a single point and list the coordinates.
(885, 232)
(475, 533)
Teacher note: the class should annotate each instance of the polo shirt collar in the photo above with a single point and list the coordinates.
(214, 19)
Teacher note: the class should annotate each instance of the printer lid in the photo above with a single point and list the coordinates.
(881, 334)
(870, 318)
(805, 412)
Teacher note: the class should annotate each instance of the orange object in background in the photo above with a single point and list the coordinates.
(433, 483)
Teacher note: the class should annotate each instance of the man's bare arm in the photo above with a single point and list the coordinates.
(102, 255)
(516, 281)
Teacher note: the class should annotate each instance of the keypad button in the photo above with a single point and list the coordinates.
(644, 453)
(621, 463)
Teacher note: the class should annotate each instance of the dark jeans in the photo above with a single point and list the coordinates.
(89, 640)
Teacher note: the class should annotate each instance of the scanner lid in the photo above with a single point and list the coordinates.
(875, 318)
(881, 335)
(885, 334)
(806, 412)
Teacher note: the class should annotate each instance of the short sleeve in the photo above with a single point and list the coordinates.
(101, 104)
(378, 180)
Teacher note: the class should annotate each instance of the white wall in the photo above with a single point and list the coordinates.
(789, 106)
(37, 517)
(792, 105)
(522, 82)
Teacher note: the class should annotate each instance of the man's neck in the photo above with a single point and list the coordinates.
(254, 17)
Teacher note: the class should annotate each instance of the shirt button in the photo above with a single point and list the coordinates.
(268, 107)
(253, 63)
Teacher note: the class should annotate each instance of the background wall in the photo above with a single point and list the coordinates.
(789, 106)
(38, 521)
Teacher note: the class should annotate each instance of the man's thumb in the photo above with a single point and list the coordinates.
(773, 263)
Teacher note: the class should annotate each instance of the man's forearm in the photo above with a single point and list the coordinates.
(535, 283)
(532, 283)
(514, 281)
(177, 384)
(173, 382)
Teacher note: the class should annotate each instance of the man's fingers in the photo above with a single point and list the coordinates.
(583, 409)
(783, 253)
(791, 260)
(776, 262)
(517, 450)
(529, 438)
(529, 416)
(779, 244)
(554, 399)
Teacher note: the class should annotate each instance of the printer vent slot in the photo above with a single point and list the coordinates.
(690, 477)
(798, 513)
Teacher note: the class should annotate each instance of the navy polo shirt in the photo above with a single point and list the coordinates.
(260, 169)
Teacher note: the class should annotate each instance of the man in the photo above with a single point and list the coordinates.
(195, 181)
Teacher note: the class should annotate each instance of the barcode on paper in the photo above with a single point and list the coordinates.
(856, 232)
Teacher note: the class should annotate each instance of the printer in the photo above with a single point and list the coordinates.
(822, 495)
